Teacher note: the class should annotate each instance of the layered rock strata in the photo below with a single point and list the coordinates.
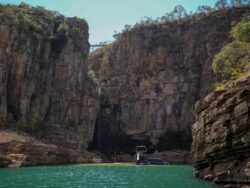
(221, 135)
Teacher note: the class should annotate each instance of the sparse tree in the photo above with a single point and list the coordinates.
(204, 9)
(221, 4)
(127, 27)
(24, 5)
(116, 35)
(179, 12)
(246, 2)
(236, 3)
(168, 17)
(148, 20)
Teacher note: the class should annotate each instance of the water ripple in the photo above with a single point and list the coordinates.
(101, 176)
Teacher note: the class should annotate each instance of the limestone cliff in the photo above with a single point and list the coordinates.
(221, 135)
(150, 78)
(45, 90)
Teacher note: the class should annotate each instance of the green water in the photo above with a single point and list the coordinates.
(100, 176)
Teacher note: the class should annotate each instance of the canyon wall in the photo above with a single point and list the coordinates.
(150, 78)
(145, 84)
(45, 91)
(221, 135)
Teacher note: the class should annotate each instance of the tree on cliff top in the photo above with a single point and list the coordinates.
(204, 9)
(180, 15)
(221, 4)
(179, 12)
(233, 61)
(238, 3)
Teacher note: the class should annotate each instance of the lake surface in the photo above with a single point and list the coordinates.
(102, 176)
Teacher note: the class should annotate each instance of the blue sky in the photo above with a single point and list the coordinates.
(106, 16)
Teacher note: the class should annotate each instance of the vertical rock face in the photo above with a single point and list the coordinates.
(221, 135)
(150, 78)
(45, 90)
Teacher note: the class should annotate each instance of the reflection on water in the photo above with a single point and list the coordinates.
(102, 176)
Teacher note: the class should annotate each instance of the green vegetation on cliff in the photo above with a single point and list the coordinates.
(241, 32)
(43, 24)
(63, 27)
(25, 16)
(233, 61)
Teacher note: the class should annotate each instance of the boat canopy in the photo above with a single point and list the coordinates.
(141, 149)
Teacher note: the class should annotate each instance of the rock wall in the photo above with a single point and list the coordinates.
(221, 135)
(45, 91)
(150, 78)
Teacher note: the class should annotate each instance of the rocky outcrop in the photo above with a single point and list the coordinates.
(221, 135)
(45, 91)
(19, 149)
(150, 78)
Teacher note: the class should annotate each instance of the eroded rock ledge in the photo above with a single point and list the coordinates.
(19, 149)
(221, 135)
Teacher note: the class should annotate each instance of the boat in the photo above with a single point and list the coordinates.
(141, 155)
(143, 159)
(157, 161)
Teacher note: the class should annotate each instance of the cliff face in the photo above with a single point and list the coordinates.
(148, 80)
(45, 90)
(221, 135)
(151, 77)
